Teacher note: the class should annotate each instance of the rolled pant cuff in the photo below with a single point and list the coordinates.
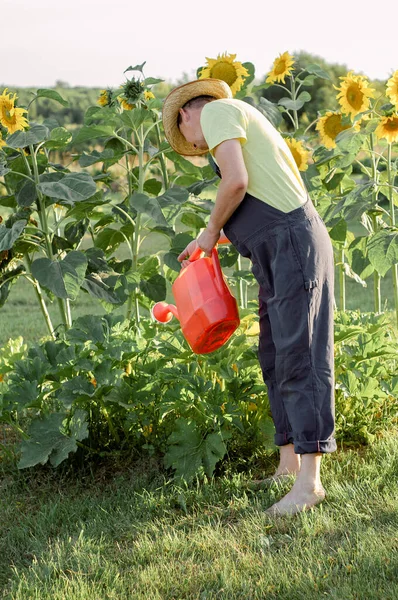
(282, 439)
(323, 446)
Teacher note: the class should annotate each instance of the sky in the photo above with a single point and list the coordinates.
(92, 42)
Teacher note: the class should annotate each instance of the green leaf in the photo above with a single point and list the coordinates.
(63, 277)
(88, 133)
(73, 187)
(9, 235)
(136, 68)
(192, 219)
(27, 194)
(383, 250)
(291, 104)
(34, 135)
(315, 69)
(154, 288)
(189, 452)
(148, 206)
(151, 81)
(59, 138)
(53, 95)
(96, 287)
(338, 233)
(134, 118)
(174, 195)
(184, 454)
(74, 388)
(89, 327)
(48, 441)
(152, 186)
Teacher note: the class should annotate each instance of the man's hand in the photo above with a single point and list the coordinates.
(206, 242)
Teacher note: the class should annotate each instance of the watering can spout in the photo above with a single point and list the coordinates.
(163, 312)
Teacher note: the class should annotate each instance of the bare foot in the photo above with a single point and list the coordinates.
(276, 478)
(297, 500)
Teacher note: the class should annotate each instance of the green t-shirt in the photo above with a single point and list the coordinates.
(273, 174)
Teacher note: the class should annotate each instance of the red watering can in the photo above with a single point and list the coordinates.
(207, 310)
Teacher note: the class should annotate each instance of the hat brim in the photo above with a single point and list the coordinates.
(176, 100)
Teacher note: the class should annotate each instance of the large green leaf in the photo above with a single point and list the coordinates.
(174, 195)
(189, 451)
(73, 187)
(34, 135)
(269, 110)
(383, 250)
(53, 95)
(8, 235)
(27, 194)
(63, 277)
(48, 441)
(97, 288)
(291, 104)
(316, 70)
(88, 133)
(59, 138)
(154, 287)
(148, 206)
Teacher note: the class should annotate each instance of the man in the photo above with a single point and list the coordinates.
(264, 209)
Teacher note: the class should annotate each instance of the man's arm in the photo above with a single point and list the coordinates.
(230, 194)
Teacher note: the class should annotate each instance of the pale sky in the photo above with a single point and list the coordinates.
(91, 42)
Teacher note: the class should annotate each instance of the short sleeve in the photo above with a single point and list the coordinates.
(221, 121)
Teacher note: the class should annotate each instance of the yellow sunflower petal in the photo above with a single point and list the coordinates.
(392, 89)
(329, 126)
(300, 154)
(225, 67)
(388, 128)
(281, 68)
(354, 94)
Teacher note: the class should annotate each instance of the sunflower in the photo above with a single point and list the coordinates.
(2, 142)
(388, 128)
(106, 98)
(11, 117)
(228, 69)
(124, 104)
(132, 90)
(392, 89)
(355, 94)
(329, 126)
(300, 154)
(148, 95)
(282, 67)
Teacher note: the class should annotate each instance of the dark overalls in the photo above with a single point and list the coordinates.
(292, 260)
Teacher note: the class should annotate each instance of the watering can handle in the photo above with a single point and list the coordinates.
(197, 253)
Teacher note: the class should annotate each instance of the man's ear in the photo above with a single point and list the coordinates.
(185, 116)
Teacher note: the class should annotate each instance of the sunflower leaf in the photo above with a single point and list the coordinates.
(34, 135)
(136, 68)
(316, 70)
(9, 235)
(73, 187)
(53, 95)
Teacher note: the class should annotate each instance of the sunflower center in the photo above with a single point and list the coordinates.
(354, 96)
(280, 67)
(333, 126)
(391, 125)
(224, 71)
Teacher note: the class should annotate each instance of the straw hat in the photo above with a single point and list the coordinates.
(176, 100)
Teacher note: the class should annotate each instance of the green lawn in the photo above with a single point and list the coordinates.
(126, 532)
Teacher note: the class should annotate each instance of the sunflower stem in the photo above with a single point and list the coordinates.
(41, 209)
(40, 297)
(293, 93)
(392, 219)
(376, 275)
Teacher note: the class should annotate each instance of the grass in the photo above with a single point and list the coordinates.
(127, 532)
